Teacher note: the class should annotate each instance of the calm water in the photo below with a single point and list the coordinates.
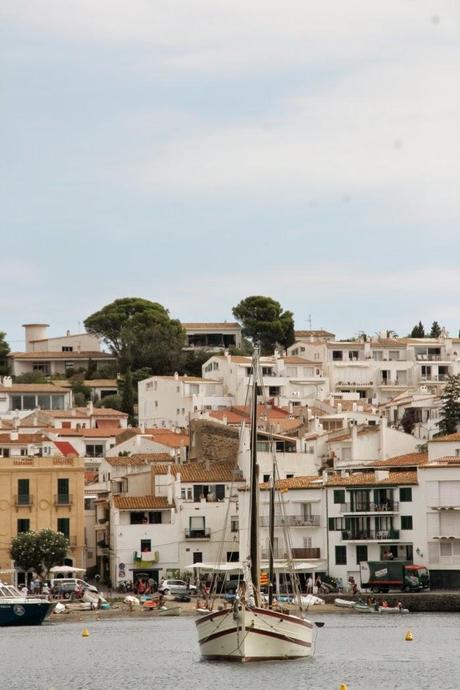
(366, 652)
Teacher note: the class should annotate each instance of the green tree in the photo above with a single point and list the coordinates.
(418, 331)
(31, 377)
(140, 333)
(408, 420)
(450, 408)
(127, 396)
(39, 551)
(4, 351)
(435, 330)
(264, 321)
(92, 369)
(114, 402)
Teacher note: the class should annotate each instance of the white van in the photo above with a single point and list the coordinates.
(68, 584)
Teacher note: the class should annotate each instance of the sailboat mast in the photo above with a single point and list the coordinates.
(271, 535)
(254, 523)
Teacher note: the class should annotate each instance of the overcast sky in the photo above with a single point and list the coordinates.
(194, 152)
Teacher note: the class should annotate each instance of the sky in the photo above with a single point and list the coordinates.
(195, 152)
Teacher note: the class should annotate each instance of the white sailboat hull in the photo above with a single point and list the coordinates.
(253, 635)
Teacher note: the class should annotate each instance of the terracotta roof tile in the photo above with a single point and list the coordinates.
(140, 459)
(294, 359)
(93, 354)
(198, 472)
(370, 479)
(22, 440)
(315, 334)
(446, 439)
(32, 388)
(407, 460)
(311, 482)
(140, 502)
(445, 460)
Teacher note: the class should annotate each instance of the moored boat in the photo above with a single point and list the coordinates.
(252, 630)
(392, 609)
(16, 609)
(345, 603)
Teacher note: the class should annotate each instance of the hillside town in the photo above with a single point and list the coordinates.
(157, 484)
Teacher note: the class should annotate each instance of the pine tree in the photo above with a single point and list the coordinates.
(418, 331)
(435, 330)
(450, 409)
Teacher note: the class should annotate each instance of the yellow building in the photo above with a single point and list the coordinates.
(38, 493)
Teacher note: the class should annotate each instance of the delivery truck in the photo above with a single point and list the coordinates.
(381, 576)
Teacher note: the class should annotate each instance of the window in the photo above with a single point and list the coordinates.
(406, 521)
(63, 526)
(146, 545)
(233, 556)
(361, 553)
(198, 557)
(186, 494)
(63, 491)
(337, 355)
(340, 555)
(405, 494)
(94, 450)
(89, 503)
(23, 525)
(339, 495)
(23, 492)
(67, 348)
(144, 518)
(5, 452)
(234, 524)
(289, 475)
(336, 524)
(353, 355)
(266, 478)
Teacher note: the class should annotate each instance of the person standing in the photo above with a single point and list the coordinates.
(310, 585)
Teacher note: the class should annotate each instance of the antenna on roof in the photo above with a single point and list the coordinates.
(309, 321)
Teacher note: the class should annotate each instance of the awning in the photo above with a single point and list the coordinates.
(280, 565)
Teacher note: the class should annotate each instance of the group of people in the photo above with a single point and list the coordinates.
(318, 586)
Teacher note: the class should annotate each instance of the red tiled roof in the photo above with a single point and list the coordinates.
(22, 440)
(308, 482)
(66, 448)
(69, 356)
(140, 459)
(140, 502)
(32, 388)
(446, 439)
(407, 460)
(198, 472)
(369, 478)
(91, 476)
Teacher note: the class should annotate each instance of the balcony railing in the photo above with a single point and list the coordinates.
(198, 533)
(428, 358)
(370, 535)
(300, 553)
(379, 507)
(23, 500)
(292, 520)
(440, 378)
(63, 500)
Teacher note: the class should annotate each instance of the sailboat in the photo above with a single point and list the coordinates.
(251, 630)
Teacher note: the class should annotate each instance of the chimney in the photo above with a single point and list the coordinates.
(383, 437)
(14, 436)
(224, 419)
(90, 408)
(354, 407)
(339, 407)
(354, 441)
(176, 376)
(35, 331)
(142, 427)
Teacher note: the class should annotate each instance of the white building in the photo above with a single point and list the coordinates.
(171, 400)
(24, 397)
(286, 380)
(51, 356)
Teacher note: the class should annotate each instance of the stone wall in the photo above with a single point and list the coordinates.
(213, 442)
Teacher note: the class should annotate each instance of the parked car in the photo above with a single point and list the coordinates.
(65, 586)
(176, 587)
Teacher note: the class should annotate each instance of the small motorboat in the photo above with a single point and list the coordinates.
(172, 611)
(17, 609)
(392, 609)
(345, 603)
(362, 607)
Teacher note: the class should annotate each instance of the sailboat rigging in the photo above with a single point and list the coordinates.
(252, 630)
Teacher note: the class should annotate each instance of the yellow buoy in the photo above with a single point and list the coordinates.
(85, 632)
(344, 686)
(409, 637)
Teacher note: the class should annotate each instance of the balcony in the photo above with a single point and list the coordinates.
(198, 533)
(63, 500)
(23, 501)
(393, 383)
(355, 384)
(370, 535)
(440, 378)
(428, 357)
(292, 521)
(380, 507)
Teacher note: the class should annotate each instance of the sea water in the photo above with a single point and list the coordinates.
(364, 652)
